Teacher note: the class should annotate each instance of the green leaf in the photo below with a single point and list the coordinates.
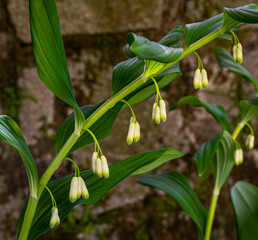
(245, 203)
(159, 161)
(49, 52)
(97, 187)
(249, 109)
(223, 161)
(177, 186)
(205, 154)
(102, 128)
(234, 17)
(125, 72)
(146, 49)
(173, 38)
(11, 134)
(225, 60)
(216, 111)
(196, 31)
(148, 89)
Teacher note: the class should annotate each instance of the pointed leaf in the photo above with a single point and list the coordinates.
(216, 111)
(234, 17)
(223, 161)
(225, 60)
(146, 49)
(102, 128)
(177, 186)
(11, 134)
(97, 187)
(245, 203)
(249, 109)
(173, 38)
(49, 50)
(205, 154)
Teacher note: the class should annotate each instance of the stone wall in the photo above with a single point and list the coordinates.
(94, 35)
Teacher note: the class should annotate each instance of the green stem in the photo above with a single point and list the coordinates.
(32, 204)
(238, 129)
(157, 89)
(129, 107)
(212, 209)
(95, 139)
(28, 217)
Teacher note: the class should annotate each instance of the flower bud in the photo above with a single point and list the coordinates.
(94, 157)
(154, 111)
(204, 78)
(249, 142)
(238, 155)
(163, 113)
(197, 79)
(239, 53)
(104, 165)
(98, 168)
(73, 190)
(55, 220)
(130, 135)
(157, 115)
(137, 132)
(79, 188)
(235, 53)
(84, 190)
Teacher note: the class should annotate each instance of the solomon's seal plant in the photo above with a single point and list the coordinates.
(152, 66)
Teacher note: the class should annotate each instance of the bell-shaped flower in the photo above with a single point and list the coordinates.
(130, 135)
(204, 78)
(154, 111)
(79, 188)
(163, 113)
(73, 190)
(157, 115)
(239, 53)
(98, 168)
(104, 165)
(84, 190)
(55, 220)
(94, 158)
(137, 132)
(250, 141)
(197, 83)
(238, 156)
(235, 53)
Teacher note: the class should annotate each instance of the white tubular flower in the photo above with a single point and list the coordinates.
(104, 165)
(79, 188)
(154, 111)
(137, 132)
(94, 158)
(204, 78)
(55, 220)
(130, 135)
(157, 115)
(98, 168)
(249, 142)
(238, 155)
(84, 190)
(197, 83)
(73, 190)
(239, 53)
(163, 113)
(235, 53)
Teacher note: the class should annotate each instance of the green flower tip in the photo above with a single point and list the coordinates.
(77, 189)
(238, 53)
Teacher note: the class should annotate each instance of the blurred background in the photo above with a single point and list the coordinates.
(94, 35)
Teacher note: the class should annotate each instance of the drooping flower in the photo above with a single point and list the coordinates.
(94, 158)
(204, 78)
(163, 113)
(137, 132)
(197, 83)
(55, 220)
(238, 156)
(98, 167)
(104, 166)
(130, 135)
(250, 141)
(73, 190)
(84, 190)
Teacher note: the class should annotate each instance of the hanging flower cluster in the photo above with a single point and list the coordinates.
(200, 75)
(237, 49)
(159, 107)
